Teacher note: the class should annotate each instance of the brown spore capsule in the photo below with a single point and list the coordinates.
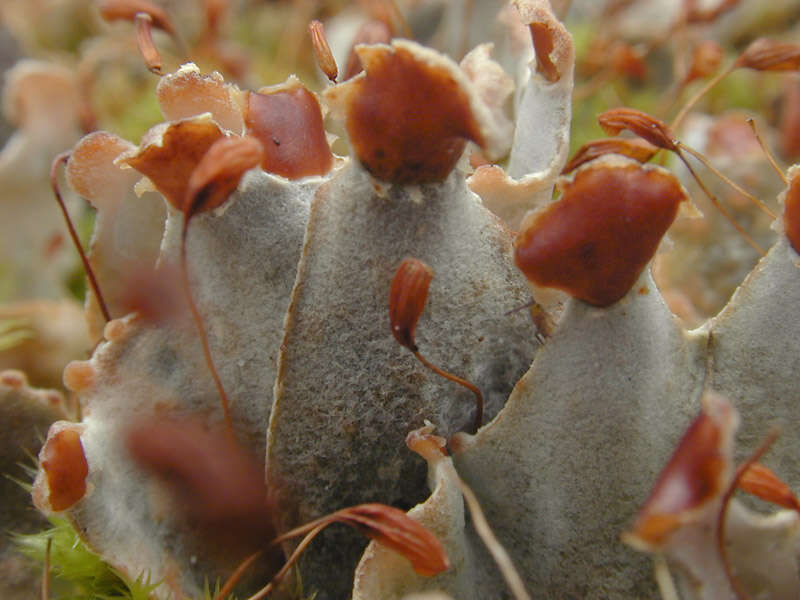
(791, 213)
(126, 10)
(706, 59)
(765, 54)
(627, 60)
(407, 298)
(322, 51)
(394, 529)
(409, 116)
(646, 127)
(635, 148)
(210, 478)
(287, 121)
(65, 467)
(763, 483)
(598, 237)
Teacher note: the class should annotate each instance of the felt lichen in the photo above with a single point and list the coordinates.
(279, 306)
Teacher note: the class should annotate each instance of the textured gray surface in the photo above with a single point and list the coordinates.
(567, 463)
(754, 358)
(347, 393)
(242, 264)
(563, 468)
(383, 573)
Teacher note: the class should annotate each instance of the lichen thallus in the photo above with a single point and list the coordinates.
(211, 183)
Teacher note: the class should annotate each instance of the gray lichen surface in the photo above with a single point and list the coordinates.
(347, 393)
(580, 441)
(754, 357)
(383, 573)
(242, 264)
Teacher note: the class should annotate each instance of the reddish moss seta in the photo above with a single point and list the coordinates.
(594, 242)
(791, 213)
(64, 463)
(288, 123)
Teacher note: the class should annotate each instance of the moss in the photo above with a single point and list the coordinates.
(76, 572)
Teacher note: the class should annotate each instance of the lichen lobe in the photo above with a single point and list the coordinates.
(63, 464)
(598, 237)
(288, 122)
(409, 116)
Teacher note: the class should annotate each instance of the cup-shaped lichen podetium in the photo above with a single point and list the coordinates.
(596, 239)
(409, 115)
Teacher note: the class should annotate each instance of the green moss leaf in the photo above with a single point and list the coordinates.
(79, 572)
